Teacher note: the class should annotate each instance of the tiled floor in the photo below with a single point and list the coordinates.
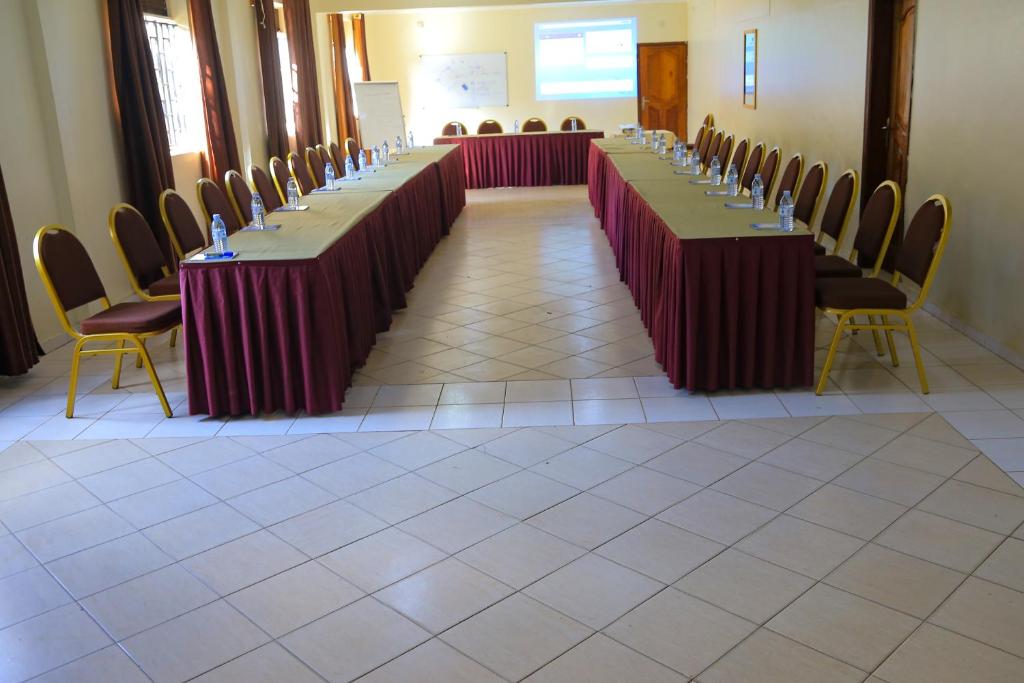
(529, 532)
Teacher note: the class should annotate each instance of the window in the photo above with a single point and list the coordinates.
(177, 75)
(290, 81)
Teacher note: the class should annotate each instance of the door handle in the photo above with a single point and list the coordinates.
(643, 102)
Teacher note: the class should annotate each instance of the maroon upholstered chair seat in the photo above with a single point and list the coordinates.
(834, 266)
(165, 286)
(136, 317)
(820, 250)
(850, 293)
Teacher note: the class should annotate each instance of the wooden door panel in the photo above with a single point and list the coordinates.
(904, 20)
(661, 86)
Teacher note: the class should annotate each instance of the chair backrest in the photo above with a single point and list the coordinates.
(877, 223)
(325, 156)
(716, 143)
(739, 156)
(924, 244)
(339, 158)
(67, 272)
(769, 169)
(454, 128)
(705, 143)
(137, 246)
(300, 171)
(753, 165)
(567, 123)
(699, 138)
(352, 149)
(839, 208)
(708, 121)
(811, 191)
(316, 167)
(280, 173)
(488, 126)
(182, 227)
(534, 125)
(265, 186)
(213, 201)
(724, 150)
(790, 178)
(240, 196)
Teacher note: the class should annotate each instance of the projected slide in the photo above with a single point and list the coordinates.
(578, 60)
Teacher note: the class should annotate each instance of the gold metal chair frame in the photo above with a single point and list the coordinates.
(821, 191)
(846, 316)
(846, 215)
(228, 175)
(168, 226)
(322, 149)
(309, 164)
(281, 192)
(202, 203)
(137, 339)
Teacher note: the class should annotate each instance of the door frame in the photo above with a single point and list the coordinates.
(685, 82)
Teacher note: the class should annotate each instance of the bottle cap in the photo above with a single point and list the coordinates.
(216, 216)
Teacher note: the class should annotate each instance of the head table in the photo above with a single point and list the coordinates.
(282, 325)
(524, 159)
(726, 306)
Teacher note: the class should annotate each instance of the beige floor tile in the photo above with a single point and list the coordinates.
(373, 633)
(572, 344)
(635, 444)
(520, 555)
(281, 500)
(537, 414)
(473, 392)
(201, 530)
(896, 483)
(801, 546)
(541, 390)
(429, 662)
(850, 435)
(848, 511)
(992, 510)
(717, 516)
(936, 428)
(457, 524)
(467, 471)
(109, 664)
(987, 612)
(28, 594)
(581, 467)
(71, 534)
(108, 564)
(680, 631)
(660, 550)
(982, 472)
(934, 655)
(326, 528)
(586, 520)
(767, 657)
(243, 562)
(402, 498)
(49, 640)
(351, 475)
(600, 659)
(527, 447)
(416, 450)
(516, 637)
(523, 494)
(768, 486)
(267, 664)
(811, 459)
(1006, 565)
(644, 490)
(895, 580)
(381, 559)
(920, 453)
(697, 463)
(575, 367)
(940, 540)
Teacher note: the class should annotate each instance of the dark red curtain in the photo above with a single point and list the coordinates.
(270, 70)
(343, 108)
(359, 43)
(144, 145)
(299, 27)
(221, 145)
(19, 350)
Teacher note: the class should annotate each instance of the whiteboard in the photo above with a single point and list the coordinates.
(380, 112)
(466, 80)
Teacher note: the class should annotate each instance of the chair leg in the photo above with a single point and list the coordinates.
(138, 360)
(877, 337)
(916, 348)
(823, 382)
(76, 359)
(892, 343)
(116, 381)
(144, 357)
(174, 337)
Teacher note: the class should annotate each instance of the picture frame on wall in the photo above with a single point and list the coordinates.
(750, 68)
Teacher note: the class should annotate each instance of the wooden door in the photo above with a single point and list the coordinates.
(661, 86)
(897, 130)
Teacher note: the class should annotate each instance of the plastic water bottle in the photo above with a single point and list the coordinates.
(639, 134)
(362, 160)
(757, 192)
(458, 129)
(662, 144)
(573, 123)
(411, 145)
(515, 126)
(716, 171)
(329, 176)
(678, 152)
(385, 153)
(786, 211)
(732, 178)
(398, 144)
(350, 167)
(219, 231)
(292, 192)
(695, 163)
(258, 212)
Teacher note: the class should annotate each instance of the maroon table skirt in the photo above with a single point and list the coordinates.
(596, 158)
(286, 335)
(526, 160)
(731, 313)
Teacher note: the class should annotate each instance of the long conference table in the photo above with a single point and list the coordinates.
(524, 159)
(726, 306)
(283, 324)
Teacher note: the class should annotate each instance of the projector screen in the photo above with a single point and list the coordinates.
(578, 60)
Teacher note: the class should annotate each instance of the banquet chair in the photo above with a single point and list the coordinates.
(812, 189)
(300, 171)
(769, 169)
(877, 225)
(262, 183)
(752, 167)
(352, 148)
(453, 128)
(709, 121)
(339, 158)
(716, 143)
(279, 172)
(567, 123)
(698, 139)
(723, 153)
(316, 167)
(739, 156)
(325, 156)
(185, 234)
(489, 126)
(838, 210)
(534, 125)
(790, 179)
(705, 144)
(239, 195)
(873, 297)
(212, 201)
(71, 281)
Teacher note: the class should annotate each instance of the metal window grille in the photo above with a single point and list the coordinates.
(168, 42)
